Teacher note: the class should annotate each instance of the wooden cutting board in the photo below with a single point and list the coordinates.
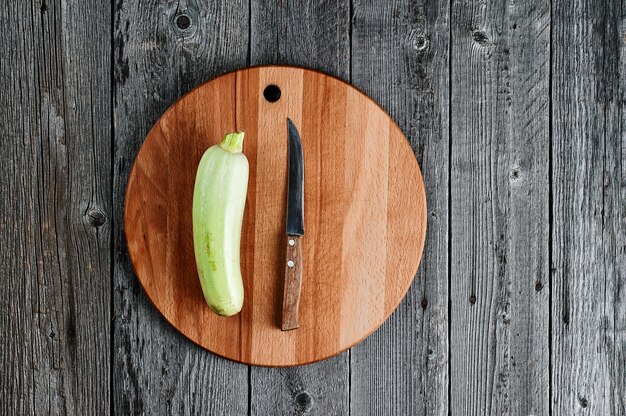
(365, 214)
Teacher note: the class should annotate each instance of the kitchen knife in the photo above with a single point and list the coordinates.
(295, 230)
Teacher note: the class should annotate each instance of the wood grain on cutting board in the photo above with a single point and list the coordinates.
(365, 214)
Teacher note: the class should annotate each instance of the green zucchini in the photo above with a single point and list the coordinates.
(219, 199)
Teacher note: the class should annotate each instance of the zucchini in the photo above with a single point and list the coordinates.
(219, 199)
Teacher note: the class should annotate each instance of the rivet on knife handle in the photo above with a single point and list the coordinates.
(293, 283)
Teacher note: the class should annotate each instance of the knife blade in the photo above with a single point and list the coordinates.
(295, 183)
(294, 229)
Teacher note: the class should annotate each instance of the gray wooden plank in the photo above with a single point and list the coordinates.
(499, 208)
(400, 53)
(315, 389)
(159, 55)
(54, 221)
(313, 34)
(589, 208)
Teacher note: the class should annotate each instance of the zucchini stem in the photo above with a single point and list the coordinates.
(233, 142)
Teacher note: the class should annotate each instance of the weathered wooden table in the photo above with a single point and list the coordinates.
(515, 110)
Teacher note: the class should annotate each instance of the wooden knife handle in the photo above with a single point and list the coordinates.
(293, 283)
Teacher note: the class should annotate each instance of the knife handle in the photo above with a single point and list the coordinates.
(293, 283)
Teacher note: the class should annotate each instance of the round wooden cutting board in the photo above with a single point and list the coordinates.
(365, 214)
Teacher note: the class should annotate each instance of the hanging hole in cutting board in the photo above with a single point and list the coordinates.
(272, 93)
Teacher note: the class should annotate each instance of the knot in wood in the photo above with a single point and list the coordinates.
(304, 401)
(96, 218)
(480, 37)
(420, 43)
(183, 22)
